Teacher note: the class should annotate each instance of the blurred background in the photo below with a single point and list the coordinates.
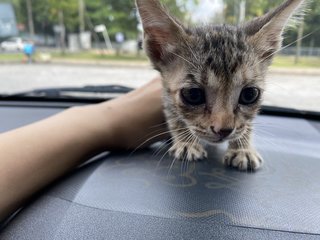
(54, 43)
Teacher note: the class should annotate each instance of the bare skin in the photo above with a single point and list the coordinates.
(33, 156)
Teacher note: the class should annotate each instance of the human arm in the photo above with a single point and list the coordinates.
(33, 156)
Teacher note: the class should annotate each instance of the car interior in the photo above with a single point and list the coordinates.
(57, 54)
(143, 194)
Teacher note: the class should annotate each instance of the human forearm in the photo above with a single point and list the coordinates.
(35, 155)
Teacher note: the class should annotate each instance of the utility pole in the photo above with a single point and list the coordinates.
(81, 22)
(81, 16)
(30, 18)
(299, 41)
(62, 32)
(242, 11)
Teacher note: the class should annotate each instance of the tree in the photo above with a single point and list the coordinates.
(117, 15)
(312, 23)
(255, 8)
(30, 18)
(121, 16)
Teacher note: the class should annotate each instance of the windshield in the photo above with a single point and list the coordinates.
(75, 43)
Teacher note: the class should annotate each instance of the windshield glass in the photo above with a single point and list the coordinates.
(74, 43)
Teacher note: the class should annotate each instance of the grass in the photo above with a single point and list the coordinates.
(11, 56)
(93, 56)
(289, 62)
(280, 61)
(96, 56)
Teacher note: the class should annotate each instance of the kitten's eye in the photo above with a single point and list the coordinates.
(249, 95)
(193, 96)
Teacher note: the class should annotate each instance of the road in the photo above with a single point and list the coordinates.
(300, 91)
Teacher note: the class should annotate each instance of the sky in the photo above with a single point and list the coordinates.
(205, 10)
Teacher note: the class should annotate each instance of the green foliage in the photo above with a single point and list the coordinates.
(312, 23)
(52, 8)
(117, 15)
(255, 8)
(45, 13)
(120, 15)
(176, 8)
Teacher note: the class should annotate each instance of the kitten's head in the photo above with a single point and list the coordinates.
(213, 76)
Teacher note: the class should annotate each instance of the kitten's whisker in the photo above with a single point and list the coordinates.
(192, 52)
(185, 144)
(193, 140)
(173, 120)
(158, 125)
(157, 135)
(263, 132)
(183, 139)
(264, 123)
(266, 140)
(184, 59)
(181, 134)
(161, 147)
(261, 127)
(151, 133)
(182, 167)
(241, 143)
(185, 133)
(288, 45)
(270, 126)
(266, 126)
(159, 162)
(272, 83)
(170, 168)
(244, 140)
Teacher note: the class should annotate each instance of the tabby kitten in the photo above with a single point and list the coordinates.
(213, 78)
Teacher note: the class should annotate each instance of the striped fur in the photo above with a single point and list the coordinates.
(222, 60)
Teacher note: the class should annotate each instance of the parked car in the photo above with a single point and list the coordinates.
(12, 44)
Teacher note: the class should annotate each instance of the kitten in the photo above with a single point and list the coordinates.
(213, 78)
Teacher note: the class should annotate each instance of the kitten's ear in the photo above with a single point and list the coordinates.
(265, 33)
(161, 31)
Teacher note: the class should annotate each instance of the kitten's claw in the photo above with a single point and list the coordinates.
(188, 151)
(243, 159)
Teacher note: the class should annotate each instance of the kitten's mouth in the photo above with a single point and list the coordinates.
(217, 139)
(208, 138)
(213, 140)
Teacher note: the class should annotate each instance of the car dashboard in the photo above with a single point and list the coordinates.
(144, 194)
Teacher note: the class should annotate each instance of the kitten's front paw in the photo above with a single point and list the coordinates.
(243, 159)
(187, 151)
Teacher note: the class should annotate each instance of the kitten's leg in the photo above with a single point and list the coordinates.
(184, 145)
(242, 155)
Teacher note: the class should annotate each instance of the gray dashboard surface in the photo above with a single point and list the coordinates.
(145, 195)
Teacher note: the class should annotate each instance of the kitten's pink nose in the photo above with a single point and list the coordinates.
(223, 133)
